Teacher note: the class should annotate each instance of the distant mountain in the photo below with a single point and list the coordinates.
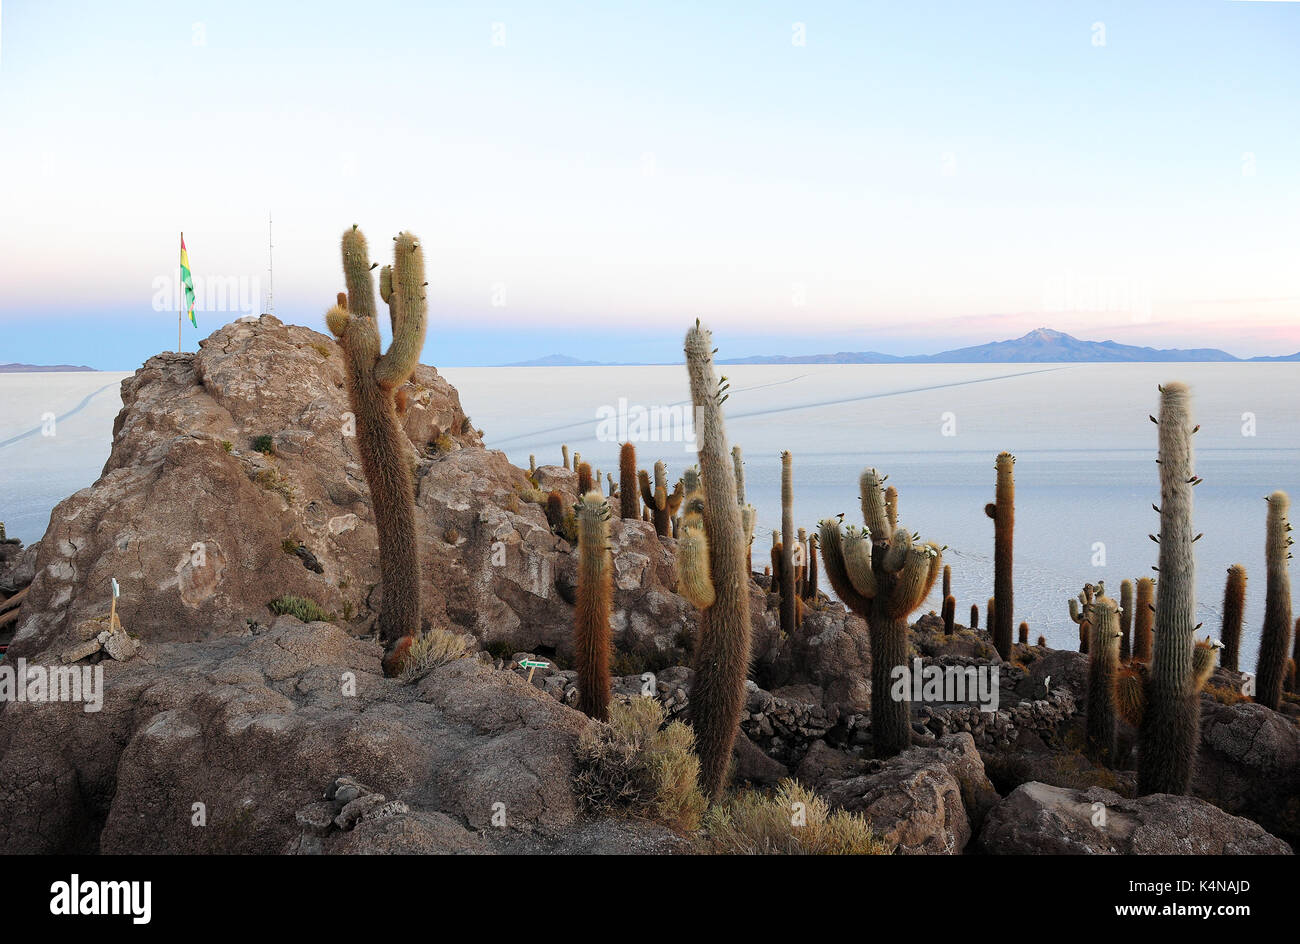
(1041, 346)
(38, 368)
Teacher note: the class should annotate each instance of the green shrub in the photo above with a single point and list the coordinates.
(264, 445)
(227, 445)
(636, 764)
(309, 611)
(793, 821)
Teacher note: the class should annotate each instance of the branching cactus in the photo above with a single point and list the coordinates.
(788, 575)
(595, 594)
(662, 504)
(629, 495)
(373, 376)
(881, 574)
(1234, 610)
(1003, 512)
(722, 648)
(1103, 669)
(1169, 735)
(1276, 638)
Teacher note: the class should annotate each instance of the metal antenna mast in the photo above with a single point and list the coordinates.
(270, 259)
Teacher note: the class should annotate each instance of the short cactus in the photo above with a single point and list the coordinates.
(629, 495)
(974, 616)
(1103, 668)
(1234, 610)
(787, 575)
(949, 614)
(1003, 512)
(1276, 637)
(372, 376)
(1024, 633)
(882, 575)
(584, 478)
(595, 594)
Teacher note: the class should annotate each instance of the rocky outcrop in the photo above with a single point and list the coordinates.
(925, 801)
(1036, 819)
(218, 746)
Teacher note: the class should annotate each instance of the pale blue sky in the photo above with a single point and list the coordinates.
(916, 176)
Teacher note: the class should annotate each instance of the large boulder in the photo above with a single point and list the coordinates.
(218, 746)
(926, 800)
(1037, 819)
(1249, 764)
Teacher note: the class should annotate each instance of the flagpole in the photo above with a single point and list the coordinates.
(180, 301)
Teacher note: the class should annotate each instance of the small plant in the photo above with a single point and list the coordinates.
(451, 536)
(634, 763)
(793, 821)
(442, 445)
(273, 480)
(349, 611)
(499, 649)
(428, 651)
(264, 444)
(227, 446)
(309, 611)
(322, 349)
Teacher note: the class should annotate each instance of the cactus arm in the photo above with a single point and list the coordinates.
(874, 516)
(356, 275)
(833, 565)
(694, 581)
(891, 506)
(647, 491)
(915, 580)
(738, 467)
(409, 309)
(896, 554)
(855, 549)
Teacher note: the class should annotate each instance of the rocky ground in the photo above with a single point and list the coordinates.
(233, 481)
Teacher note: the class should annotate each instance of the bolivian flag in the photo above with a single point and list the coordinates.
(188, 281)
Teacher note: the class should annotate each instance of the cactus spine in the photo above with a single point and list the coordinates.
(1144, 612)
(1168, 737)
(595, 594)
(788, 542)
(1234, 609)
(1276, 637)
(722, 647)
(372, 379)
(1103, 668)
(1125, 618)
(1003, 512)
(882, 575)
(629, 498)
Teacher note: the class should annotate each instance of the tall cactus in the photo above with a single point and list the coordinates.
(629, 497)
(722, 649)
(1003, 512)
(595, 594)
(1169, 735)
(788, 542)
(748, 514)
(1276, 637)
(1103, 669)
(882, 575)
(1144, 614)
(372, 378)
(810, 579)
(1234, 610)
(1125, 619)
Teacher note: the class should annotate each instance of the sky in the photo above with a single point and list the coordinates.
(589, 178)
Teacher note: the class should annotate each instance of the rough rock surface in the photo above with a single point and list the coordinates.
(1036, 819)
(927, 800)
(1249, 765)
(255, 726)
